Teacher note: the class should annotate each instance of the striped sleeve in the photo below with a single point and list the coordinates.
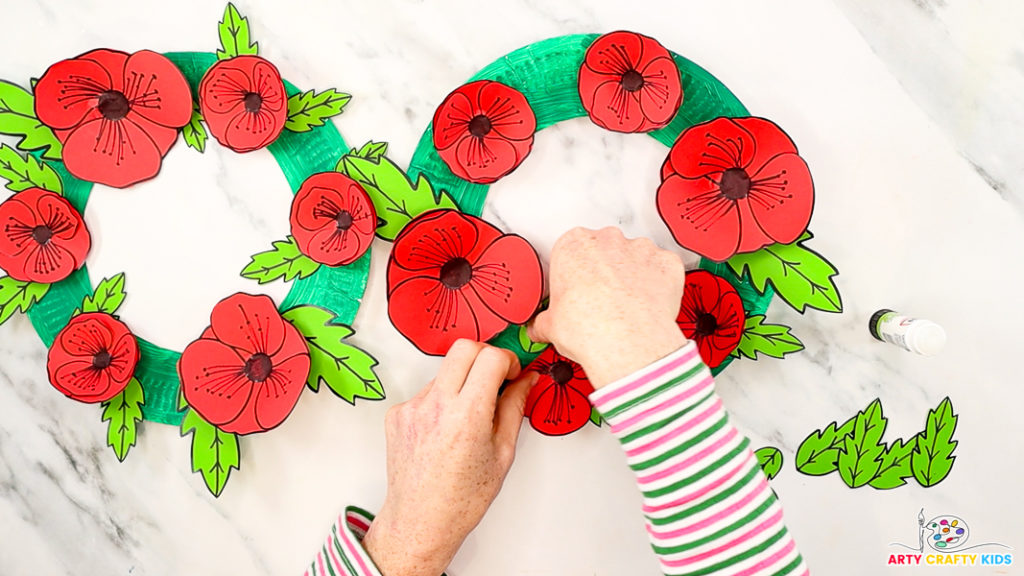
(342, 554)
(708, 506)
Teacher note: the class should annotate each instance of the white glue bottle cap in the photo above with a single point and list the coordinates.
(916, 335)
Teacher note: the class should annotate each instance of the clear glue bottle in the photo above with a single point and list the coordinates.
(917, 335)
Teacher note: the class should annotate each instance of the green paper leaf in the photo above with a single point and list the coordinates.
(770, 339)
(395, 198)
(802, 277)
(18, 118)
(234, 35)
(17, 295)
(214, 452)
(371, 150)
(595, 417)
(124, 412)
(818, 453)
(933, 458)
(23, 172)
(108, 296)
(528, 345)
(311, 109)
(895, 466)
(345, 369)
(194, 132)
(859, 457)
(283, 261)
(770, 459)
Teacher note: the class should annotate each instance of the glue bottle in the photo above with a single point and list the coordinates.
(917, 335)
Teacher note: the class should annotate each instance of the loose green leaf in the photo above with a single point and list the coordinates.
(595, 417)
(17, 295)
(818, 453)
(395, 198)
(859, 457)
(23, 172)
(195, 132)
(799, 275)
(345, 369)
(771, 339)
(124, 412)
(933, 458)
(895, 467)
(371, 150)
(214, 452)
(108, 296)
(283, 261)
(234, 35)
(770, 459)
(18, 118)
(529, 345)
(311, 109)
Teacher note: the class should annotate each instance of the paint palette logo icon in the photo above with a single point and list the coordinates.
(946, 533)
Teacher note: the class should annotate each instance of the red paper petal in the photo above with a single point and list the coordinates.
(162, 136)
(662, 92)
(277, 397)
(70, 361)
(157, 90)
(251, 131)
(706, 293)
(213, 380)
(485, 160)
(85, 336)
(82, 382)
(451, 119)
(432, 316)
(223, 88)
(266, 80)
(22, 255)
(249, 323)
(557, 410)
(17, 220)
(771, 141)
(112, 61)
(59, 215)
(116, 154)
(69, 90)
(508, 111)
(615, 53)
(334, 247)
(508, 279)
(317, 204)
(316, 219)
(713, 147)
(700, 218)
(614, 108)
(782, 197)
(432, 240)
(666, 168)
(124, 354)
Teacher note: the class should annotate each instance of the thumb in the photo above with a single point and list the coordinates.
(540, 327)
(509, 414)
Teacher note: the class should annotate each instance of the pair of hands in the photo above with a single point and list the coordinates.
(612, 309)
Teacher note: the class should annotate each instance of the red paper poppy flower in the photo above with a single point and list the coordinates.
(629, 83)
(244, 103)
(559, 402)
(116, 114)
(452, 275)
(333, 220)
(42, 237)
(93, 358)
(483, 130)
(247, 370)
(734, 185)
(711, 315)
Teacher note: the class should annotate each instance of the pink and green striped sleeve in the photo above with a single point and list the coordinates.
(342, 554)
(708, 506)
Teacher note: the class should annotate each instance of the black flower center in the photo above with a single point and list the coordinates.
(479, 126)
(735, 183)
(561, 372)
(113, 105)
(632, 81)
(343, 220)
(258, 367)
(101, 360)
(253, 102)
(42, 234)
(456, 273)
(706, 324)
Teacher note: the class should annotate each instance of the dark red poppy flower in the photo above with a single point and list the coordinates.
(42, 237)
(452, 275)
(735, 185)
(559, 402)
(116, 114)
(629, 83)
(333, 220)
(93, 358)
(483, 130)
(711, 315)
(244, 103)
(246, 372)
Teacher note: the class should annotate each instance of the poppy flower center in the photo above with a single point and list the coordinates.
(253, 102)
(632, 81)
(258, 367)
(735, 184)
(113, 105)
(479, 126)
(344, 220)
(560, 372)
(456, 273)
(101, 360)
(42, 234)
(706, 324)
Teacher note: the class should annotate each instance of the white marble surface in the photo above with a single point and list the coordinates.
(903, 209)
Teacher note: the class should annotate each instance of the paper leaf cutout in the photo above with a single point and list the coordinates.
(243, 102)
(933, 458)
(818, 453)
(23, 172)
(370, 151)
(214, 452)
(802, 277)
(595, 417)
(528, 345)
(859, 456)
(311, 109)
(123, 412)
(234, 35)
(770, 339)
(283, 261)
(895, 465)
(108, 296)
(17, 295)
(559, 402)
(194, 132)
(18, 118)
(770, 460)
(345, 369)
(395, 198)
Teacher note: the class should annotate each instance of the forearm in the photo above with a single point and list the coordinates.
(342, 554)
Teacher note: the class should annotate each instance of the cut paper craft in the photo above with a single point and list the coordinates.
(244, 103)
(234, 35)
(558, 404)
(770, 459)
(42, 237)
(801, 276)
(284, 260)
(107, 298)
(711, 314)
(484, 130)
(629, 83)
(332, 219)
(123, 413)
(214, 451)
(311, 109)
(735, 185)
(18, 118)
(16, 295)
(116, 114)
(194, 132)
(93, 358)
(246, 372)
(452, 275)
(24, 172)
(772, 340)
